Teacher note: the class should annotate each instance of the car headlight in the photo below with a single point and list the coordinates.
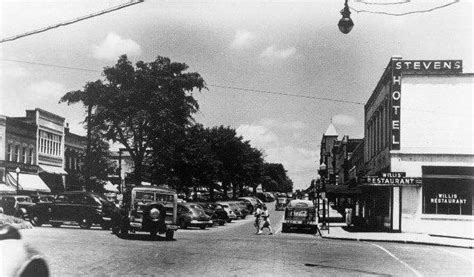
(154, 213)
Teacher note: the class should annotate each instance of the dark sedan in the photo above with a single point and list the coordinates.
(216, 212)
(85, 208)
(192, 215)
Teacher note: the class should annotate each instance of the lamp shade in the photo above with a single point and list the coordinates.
(345, 25)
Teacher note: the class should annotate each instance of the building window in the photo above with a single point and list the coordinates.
(16, 153)
(23, 155)
(10, 152)
(50, 144)
(448, 190)
(30, 156)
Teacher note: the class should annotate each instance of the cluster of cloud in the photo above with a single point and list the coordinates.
(344, 120)
(277, 140)
(113, 46)
(244, 39)
(47, 89)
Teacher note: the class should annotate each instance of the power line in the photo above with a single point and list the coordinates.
(286, 94)
(405, 13)
(115, 8)
(209, 85)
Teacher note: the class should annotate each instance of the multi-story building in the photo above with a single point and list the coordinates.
(418, 149)
(18, 159)
(35, 149)
(327, 162)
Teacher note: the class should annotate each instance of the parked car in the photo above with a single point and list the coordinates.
(192, 215)
(230, 213)
(281, 203)
(16, 205)
(25, 261)
(265, 197)
(147, 209)
(250, 202)
(85, 208)
(42, 198)
(241, 207)
(215, 211)
(300, 214)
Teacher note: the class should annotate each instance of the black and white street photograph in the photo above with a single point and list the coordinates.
(236, 138)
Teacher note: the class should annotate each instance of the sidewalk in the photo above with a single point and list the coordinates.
(337, 231)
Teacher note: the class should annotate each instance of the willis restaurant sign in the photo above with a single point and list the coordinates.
(424, 67)
(391, 179)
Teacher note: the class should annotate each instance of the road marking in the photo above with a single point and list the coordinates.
(458, 255)
(402, 262)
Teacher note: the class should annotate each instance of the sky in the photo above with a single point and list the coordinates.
(281, 47)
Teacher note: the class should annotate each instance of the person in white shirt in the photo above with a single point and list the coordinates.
(257, 214)
(266, 221)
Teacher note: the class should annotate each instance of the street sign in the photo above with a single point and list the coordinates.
(391, 181)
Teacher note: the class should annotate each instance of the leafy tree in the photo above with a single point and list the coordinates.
(144, 107)
(275, 178)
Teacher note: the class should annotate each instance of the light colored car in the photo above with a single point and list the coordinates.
(18, 258)
(229, 211)
(300, 214)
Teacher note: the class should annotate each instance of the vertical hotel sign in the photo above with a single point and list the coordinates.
(413, 67)
(396, 94)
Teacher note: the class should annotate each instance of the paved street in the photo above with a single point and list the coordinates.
(234, 249)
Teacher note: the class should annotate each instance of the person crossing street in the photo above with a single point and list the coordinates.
(266, 221)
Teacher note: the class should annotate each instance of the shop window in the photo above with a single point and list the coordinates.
(31, 158)
(447, 196)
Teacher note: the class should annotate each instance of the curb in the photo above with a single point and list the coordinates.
(400, 241)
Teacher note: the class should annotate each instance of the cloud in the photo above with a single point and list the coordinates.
(259, 136)
(113, 46)
(344, 120)
(14, 71)
(273, 53)
(292, 125)
(242, 39)
(45, 89)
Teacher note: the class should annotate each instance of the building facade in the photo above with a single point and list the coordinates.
(74, 153)
(418, 149)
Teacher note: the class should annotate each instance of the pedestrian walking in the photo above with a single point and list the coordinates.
(266, 221)
(258, 214)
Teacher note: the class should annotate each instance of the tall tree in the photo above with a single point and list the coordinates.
(143, 107)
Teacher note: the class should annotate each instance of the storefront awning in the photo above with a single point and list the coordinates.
(28, 182)
(5, 188)
(53, 169)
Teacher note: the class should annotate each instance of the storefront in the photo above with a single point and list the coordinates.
(418, 121)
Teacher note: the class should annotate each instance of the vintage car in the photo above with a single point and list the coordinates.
(300, 214)
(193, 215)
(281, 203)
(19, 258)
(84, 208)
(230, 213)
(215, 211)
(16, 205)
(147, 209)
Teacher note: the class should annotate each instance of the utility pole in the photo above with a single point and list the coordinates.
(88, 147)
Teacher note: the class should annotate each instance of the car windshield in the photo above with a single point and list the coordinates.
(23, 199)
(144, 196)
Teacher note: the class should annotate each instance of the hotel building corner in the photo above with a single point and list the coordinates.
(419, 151)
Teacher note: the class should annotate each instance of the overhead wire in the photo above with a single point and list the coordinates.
(209, 85)
(404, 13)
(72, 21)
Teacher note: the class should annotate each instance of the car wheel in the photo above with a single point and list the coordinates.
(123, 232)
(56, 224)
(183, 224)
(84, 223)
(202, 227)
(105, 226)
(115, 229)
(153, 234)
(244, 216)
(284, 228)
(36, 221)
(229, 220)
(221, 223)
(169, 234)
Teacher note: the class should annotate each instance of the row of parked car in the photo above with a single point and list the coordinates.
(141, 207)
